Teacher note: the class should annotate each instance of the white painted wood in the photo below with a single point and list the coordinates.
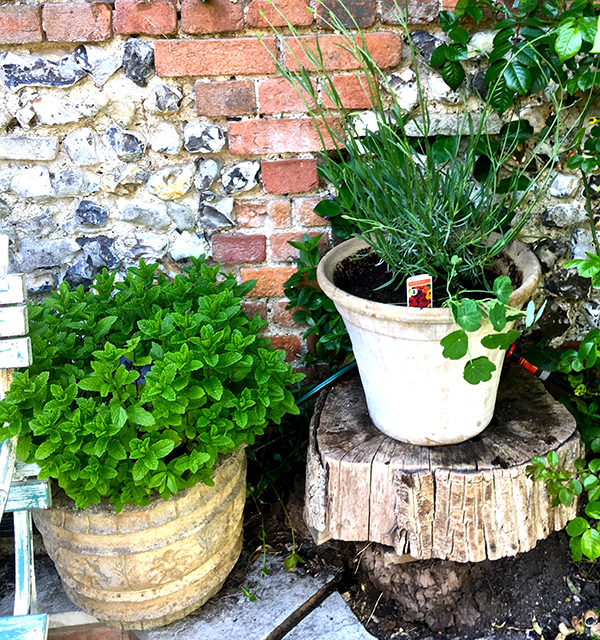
(33, 494)
(25, 594)
(7, 463)
(33, 627)
(12, 289)
(15, 353)
(23, 470)
(13, 321)
(3, 254)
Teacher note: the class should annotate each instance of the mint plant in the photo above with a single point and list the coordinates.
(138, 386)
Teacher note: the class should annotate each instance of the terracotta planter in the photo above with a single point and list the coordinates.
(413, 393)
(148, 566)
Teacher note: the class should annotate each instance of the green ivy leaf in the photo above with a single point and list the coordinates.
(590, 544)
(479, 370)
(453, 73)
(455, 345)
(568, 43)
(577, 526)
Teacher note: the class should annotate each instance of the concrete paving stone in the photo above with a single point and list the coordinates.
(331, 620)
(232, 615)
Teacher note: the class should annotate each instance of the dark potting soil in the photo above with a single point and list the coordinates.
(365, 276)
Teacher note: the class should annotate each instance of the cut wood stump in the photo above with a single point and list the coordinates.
(466, 502)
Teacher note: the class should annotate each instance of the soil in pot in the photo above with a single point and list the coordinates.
(365, 276)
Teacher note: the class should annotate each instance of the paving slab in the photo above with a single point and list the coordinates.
(231, 615)
(331, 620)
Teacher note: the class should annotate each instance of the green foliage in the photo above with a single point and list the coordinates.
(138, 386)
(536, 44)
(332, 344)
(582, 368)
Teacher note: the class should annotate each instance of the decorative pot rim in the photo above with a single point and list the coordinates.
(517, 253)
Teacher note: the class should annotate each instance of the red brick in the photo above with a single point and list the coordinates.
(350, 14)
(303, 209)
(254, 214)
(20, 25)
(270, 280)
(278, 13)
(252, 307)
(289, 176)
(290, 344)
(77, 22)
(260, 137)
(421, 12)
(238, 249)
(283, 316)
(214, 57)
(384, 47)
(282, 251)
(352, 90)
(211, 17)
(227, 98)
(154, 17)
(278, 94)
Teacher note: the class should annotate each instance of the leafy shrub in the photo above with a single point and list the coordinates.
(138, 386)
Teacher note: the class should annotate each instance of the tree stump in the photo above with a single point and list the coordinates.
(466, 502)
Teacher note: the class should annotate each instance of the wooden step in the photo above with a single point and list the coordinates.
(32, 494)
(32, 627)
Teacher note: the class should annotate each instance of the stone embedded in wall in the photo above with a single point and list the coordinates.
(5, 207)
(75, 183)
(549, 251)
(28, 148)
(39, 254)
(5, 119)
(6, 178)
(38, 283)
(202, 137)
(90, 214)
(32, 183)
(592, 312)
(478, 85)
(567, 284)
(172, 182)
(183, 217)
(50, 109)
(97, 253)
(207, 173)
(98, 62)
(404, 86)
(480, 44)
(83, 147)
(425, 43)
(188, 245)
(124, 179)
(153, 216)
(242, 176)
(555, 320)
(440, 91)
(18, 70)
(39, 226)
(563, 215)
(214, 212)
(164, 138)
(581, 243)
(138, 61)
(128, 145)
(148, 245)
(564, 185)
(164, 99)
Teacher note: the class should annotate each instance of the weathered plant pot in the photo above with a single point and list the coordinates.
(148, 566)
(413, 393)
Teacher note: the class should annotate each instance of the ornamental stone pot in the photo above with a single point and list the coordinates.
(148, 566)
(413, 393)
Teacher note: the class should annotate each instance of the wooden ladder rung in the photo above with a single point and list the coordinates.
(32, 494)
(31, 627)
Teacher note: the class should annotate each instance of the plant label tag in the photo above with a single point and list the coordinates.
(419, 291)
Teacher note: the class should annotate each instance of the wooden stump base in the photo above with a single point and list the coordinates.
(466, 502)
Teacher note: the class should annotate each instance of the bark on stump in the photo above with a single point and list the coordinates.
(467, 502)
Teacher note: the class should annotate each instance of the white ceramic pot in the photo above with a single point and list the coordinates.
(413, 393)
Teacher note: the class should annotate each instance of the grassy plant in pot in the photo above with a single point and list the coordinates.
(449, 206)
(141, 397)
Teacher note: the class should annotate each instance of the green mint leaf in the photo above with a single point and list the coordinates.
(139, 415)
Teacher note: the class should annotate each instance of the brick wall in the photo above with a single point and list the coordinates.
(160, 129)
